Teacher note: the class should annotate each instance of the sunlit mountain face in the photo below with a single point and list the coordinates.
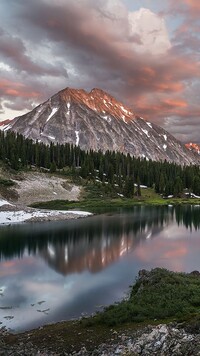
(193, 147)
(97, 121)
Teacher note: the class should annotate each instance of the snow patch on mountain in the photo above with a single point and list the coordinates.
(124, 110)
(143, 156)
(68, 108)
(77, 111)
(77, 137)
(123, 117)
(149, 124)
(7, 127)
(146, 132)
(107, 118)
(54, 110)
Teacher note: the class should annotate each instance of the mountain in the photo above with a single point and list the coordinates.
(5, 124)
(193, 147)
(96, 120)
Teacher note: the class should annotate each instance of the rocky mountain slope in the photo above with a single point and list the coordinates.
(4, 124)
(96, 120)
(194, 147)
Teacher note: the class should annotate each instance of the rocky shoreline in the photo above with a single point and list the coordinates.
(10, 213)
(161, 340)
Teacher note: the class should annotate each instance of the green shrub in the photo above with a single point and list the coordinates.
(159, 294)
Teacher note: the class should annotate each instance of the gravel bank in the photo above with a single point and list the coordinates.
(40, 187)
(37, 187)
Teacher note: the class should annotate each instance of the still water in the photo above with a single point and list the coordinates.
(60, 270)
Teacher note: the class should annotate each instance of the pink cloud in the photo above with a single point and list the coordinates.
(171, 103)
(10, 88)
(194, 5)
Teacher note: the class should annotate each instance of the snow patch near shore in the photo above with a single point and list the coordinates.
(5, 202)
(11, 217)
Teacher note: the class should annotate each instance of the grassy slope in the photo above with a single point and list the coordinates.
(159, 294)
(95, 195)
(95, 198)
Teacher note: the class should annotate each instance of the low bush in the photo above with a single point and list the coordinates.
(158, 294)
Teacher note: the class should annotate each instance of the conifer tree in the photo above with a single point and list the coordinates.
(178, 187)
(138, 191)
(196, 185)
(128, 190)
(53, 167)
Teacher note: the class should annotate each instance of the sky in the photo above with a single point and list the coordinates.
(146, 53)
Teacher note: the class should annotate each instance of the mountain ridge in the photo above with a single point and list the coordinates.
(97, 100)
(96, 120)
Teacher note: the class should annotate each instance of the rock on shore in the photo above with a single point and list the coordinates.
(160, 340)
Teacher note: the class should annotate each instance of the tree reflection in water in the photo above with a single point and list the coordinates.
(92, 243)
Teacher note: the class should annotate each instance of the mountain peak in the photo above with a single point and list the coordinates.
(97, 91)
(97, 100)
(71, 93)
(96, 120)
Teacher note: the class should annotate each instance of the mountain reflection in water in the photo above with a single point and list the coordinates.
(91, 244)
(76, 265)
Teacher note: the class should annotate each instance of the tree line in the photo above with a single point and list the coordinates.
(114, 168)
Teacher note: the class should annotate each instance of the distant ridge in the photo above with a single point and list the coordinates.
(193, 147)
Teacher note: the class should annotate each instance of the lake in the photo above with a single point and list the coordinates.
(62, 270)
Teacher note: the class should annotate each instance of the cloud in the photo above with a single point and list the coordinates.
(194, 7)
(13, 51)
(152, 31)
(101, 44)
(16, 89)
